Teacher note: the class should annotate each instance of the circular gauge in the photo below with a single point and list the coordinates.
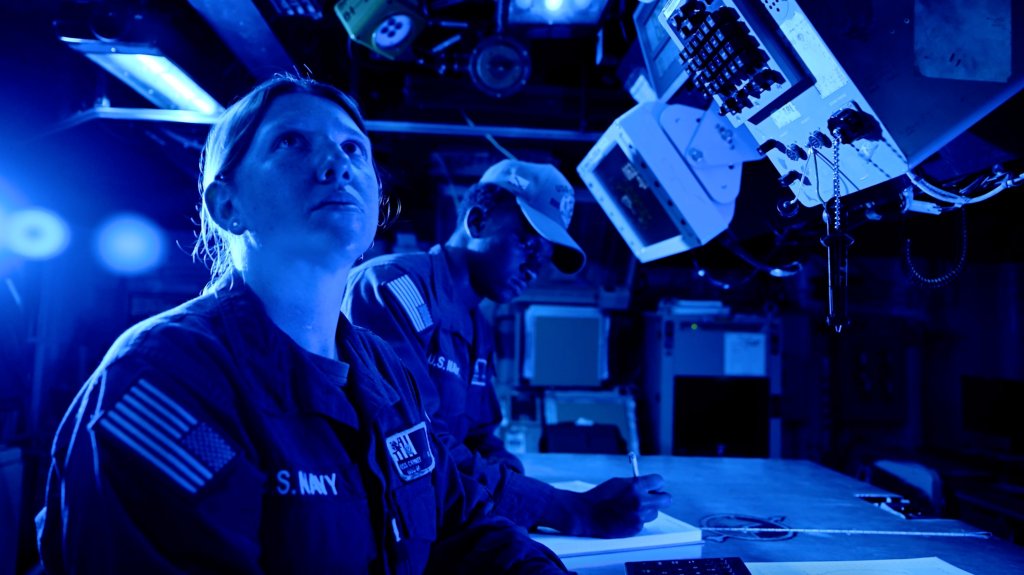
(499, 66)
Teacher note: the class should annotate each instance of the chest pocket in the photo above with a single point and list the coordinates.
(316, 522)
(417, 507)
(462, 387)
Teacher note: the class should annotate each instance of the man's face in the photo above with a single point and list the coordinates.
(507, 255)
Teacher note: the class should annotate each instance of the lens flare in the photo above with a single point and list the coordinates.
(35, 234)
(130, 244)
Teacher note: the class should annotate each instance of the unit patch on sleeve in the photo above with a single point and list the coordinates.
(410, 452)
(479, 372)
(188, 451)
(411, 301)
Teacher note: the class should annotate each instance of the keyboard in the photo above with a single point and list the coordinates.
(705, 566)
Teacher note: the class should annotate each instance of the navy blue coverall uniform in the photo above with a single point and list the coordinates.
(207, 441)
(407, 299)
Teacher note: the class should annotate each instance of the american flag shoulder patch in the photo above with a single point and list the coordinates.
(158, 429)
(411, 301)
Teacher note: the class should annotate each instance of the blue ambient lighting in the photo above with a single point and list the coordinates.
(130, 244)
(35, 234)
(578, 12)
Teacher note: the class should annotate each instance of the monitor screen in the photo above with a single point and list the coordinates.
(661, 55)
(633, 198)
(565, 346)
(658, 202)
(721, 416)
(991, 412)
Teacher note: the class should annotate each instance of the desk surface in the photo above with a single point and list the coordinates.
(800, 494)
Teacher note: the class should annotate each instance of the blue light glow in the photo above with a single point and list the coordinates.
(10, 197)
(159, 80)
(130, 244)
(35, 234)
(571, 12)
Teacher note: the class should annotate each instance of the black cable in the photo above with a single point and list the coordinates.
(732, 243)
(722, 284)
(943, 279)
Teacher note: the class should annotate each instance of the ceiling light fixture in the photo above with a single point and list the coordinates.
(583, 12)
(147, 71)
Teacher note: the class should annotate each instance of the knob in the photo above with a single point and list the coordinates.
(765, 79)
(788, 208)
(769, 145)
(789, 178)
(692, 7)
(818, 139)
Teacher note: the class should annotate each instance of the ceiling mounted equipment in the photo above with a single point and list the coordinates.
(387, 27)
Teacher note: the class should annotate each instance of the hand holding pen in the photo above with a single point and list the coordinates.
(619, 507)
(634, 462)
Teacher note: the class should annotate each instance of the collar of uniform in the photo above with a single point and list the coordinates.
(448, 312)
(244, 316)
(324, 391)
(245, 319)
(368, 368)
(286, 377)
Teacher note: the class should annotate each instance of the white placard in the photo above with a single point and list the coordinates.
(745, 353)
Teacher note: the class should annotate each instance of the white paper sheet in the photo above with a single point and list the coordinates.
(918, 566)
(665, 531)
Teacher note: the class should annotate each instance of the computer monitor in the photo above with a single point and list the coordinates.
(565, 346)
(663, 67)
(990, 407)
(721, 416)
(667, 176)
(630, 194)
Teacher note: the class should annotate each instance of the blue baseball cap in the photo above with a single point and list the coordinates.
(546, 199)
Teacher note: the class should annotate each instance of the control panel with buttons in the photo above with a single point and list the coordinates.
(763, 65)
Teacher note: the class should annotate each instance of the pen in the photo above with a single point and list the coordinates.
(633, 462)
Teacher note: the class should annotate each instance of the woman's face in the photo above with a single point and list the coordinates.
(306, 188)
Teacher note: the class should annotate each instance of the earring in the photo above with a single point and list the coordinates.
(234, 225)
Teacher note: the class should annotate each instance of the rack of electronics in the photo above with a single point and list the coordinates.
(839, 96)
(712, 381)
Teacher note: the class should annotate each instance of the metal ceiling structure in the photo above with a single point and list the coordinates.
(436, 119)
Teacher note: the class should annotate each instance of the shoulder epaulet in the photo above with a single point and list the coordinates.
(411, 300)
